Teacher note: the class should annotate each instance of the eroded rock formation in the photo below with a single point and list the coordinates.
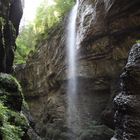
(10, 15)
(106, 31)
(127, 103)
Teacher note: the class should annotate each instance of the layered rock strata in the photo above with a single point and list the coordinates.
(106, 31)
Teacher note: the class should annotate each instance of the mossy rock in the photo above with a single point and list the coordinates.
(10, 92)
(13, 125)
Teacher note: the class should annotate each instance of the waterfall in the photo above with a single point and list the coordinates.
(71, 42)
(73, 117)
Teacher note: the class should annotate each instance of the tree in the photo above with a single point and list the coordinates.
(49, 14)
(25, 43)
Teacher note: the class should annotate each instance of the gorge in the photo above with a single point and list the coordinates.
(72, 81)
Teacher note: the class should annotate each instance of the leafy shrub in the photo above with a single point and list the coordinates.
(12, 124)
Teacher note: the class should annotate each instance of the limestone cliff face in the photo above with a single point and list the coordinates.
(106, 31)
(10, 15)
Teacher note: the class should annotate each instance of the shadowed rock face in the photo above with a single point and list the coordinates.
(10, 15)
(127, 103)
(106, 31)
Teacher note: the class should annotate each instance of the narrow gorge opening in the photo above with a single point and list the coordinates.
(69, 56)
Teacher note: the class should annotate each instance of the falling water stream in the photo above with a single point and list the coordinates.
(73, 119)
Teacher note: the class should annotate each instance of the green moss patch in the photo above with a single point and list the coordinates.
(10, 92)
(9, 83)
(13, 125)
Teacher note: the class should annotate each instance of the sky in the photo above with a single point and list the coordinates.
(30, 7)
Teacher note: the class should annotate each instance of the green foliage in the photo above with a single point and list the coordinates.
(138, 41)
(2, 24)
(2, 21)
(49, 15)
(12, 124)
(25, 43)
(63, 6)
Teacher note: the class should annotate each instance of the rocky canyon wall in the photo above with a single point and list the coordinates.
(127, 103)
(106, 31)
(10, 16)
(13, 123)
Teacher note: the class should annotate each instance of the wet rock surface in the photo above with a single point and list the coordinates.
(10, 15)
(128, 101)
(106, 31)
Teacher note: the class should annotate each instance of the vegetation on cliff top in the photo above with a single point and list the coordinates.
(48, 17)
